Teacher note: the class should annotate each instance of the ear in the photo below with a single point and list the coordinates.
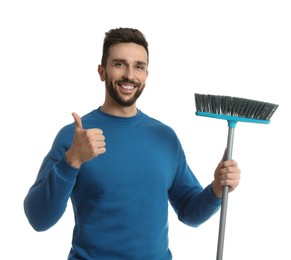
(101, 72)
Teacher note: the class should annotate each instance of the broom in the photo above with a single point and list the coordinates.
(232, 109)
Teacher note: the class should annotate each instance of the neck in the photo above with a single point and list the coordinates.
(118, 110)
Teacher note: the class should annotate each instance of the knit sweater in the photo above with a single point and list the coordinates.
(120, 198)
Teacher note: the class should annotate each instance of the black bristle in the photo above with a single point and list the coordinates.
(234, 106)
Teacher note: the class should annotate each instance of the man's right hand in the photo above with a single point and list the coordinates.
(87, 144)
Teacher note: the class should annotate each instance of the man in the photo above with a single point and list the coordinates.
(120, 186)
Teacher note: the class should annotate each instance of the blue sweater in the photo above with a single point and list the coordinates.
(120, 198)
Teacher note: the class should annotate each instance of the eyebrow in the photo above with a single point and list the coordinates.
(124, 61)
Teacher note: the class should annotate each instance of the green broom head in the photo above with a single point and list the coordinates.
(234, 109)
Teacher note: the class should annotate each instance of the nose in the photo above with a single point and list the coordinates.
(129, 73)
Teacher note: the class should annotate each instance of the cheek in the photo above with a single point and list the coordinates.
(114, 75)
(143, 79)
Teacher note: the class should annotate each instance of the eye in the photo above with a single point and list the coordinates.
(119, 64)
(140, 67)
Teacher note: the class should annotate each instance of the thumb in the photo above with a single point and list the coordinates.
(78, 121)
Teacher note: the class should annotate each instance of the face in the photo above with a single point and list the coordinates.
(125, 73)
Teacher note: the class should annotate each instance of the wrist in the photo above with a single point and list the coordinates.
(216, 189)
(73, 162)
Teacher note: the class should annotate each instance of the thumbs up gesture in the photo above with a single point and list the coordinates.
(87, 144)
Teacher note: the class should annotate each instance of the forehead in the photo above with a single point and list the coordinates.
(131, 52)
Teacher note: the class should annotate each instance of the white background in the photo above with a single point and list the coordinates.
(49, 52)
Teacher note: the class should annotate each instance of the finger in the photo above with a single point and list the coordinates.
(229, 176)
(101, 144)
(78, 121)
(100, 138)
(231, 184)
(101, 150)
(229, 164)
(229, 171)
(94, 131)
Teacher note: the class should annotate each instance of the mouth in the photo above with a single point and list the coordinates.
(127, 88)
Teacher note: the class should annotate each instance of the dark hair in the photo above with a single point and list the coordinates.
(121, 35)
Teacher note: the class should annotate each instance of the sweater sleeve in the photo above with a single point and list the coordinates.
(47, 198)
(192, 203)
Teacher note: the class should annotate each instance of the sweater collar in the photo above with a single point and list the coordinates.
(118, 119)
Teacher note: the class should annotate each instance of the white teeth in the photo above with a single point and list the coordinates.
(127, 87)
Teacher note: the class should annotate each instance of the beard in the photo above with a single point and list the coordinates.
(118, 98)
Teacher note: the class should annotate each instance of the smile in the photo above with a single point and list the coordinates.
(127, 87)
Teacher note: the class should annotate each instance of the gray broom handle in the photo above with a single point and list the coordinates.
(223, 209)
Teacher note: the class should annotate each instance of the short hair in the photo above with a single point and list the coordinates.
(122, 35)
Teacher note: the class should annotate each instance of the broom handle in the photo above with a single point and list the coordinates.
(223, 210)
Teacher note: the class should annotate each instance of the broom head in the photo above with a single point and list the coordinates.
(234, 109)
